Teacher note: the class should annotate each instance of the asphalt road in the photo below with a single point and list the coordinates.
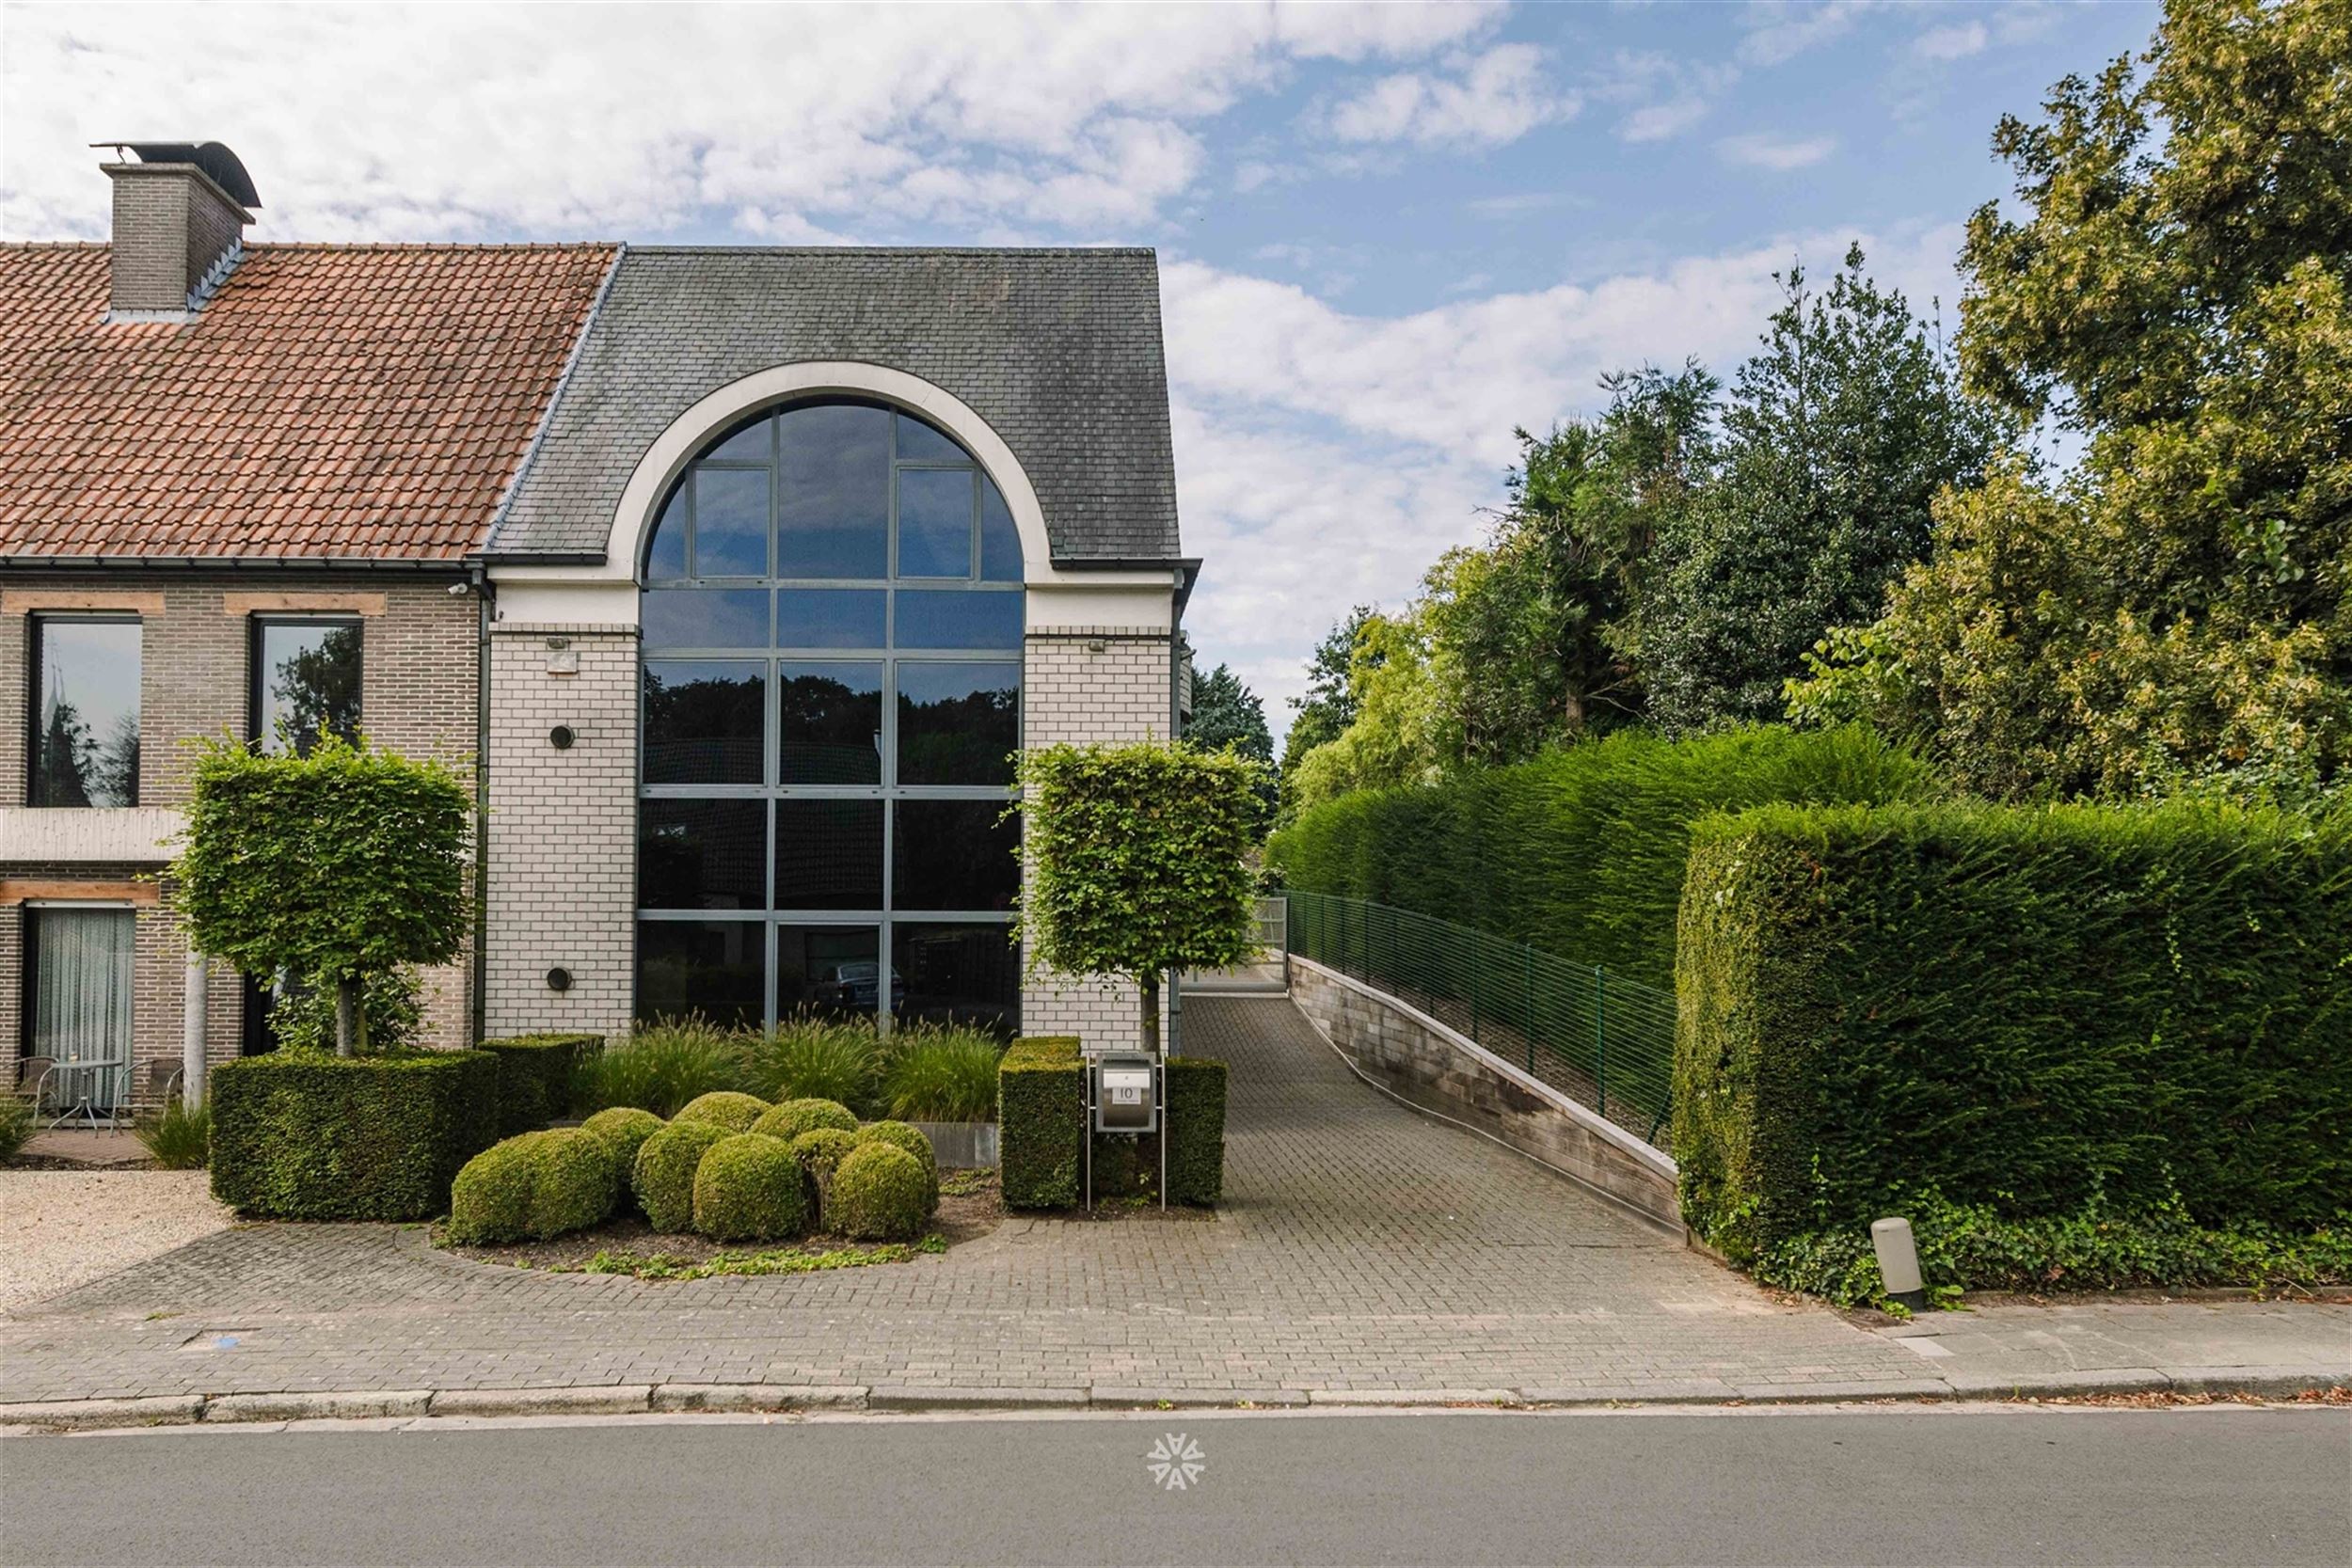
(2199, 1485)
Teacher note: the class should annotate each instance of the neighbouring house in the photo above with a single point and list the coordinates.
(734, 575)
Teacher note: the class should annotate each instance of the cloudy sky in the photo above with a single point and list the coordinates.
(1387, 234)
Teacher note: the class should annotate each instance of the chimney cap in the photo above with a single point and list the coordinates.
(220, 166)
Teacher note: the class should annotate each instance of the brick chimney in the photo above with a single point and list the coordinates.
(179, 226)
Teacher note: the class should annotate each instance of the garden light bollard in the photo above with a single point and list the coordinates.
(1899, 1262)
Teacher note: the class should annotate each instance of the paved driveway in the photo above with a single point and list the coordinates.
(1363, 1247)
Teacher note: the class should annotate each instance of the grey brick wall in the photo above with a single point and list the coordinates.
(416, 697)
(1081, 686)
(563, 849)
(170, 226)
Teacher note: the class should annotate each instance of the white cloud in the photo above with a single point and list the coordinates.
(1663, 95)
(512, 121)
(1659, 122)
(1778, 31)
(1951, 44)
(1487, 99)
(1780, 153)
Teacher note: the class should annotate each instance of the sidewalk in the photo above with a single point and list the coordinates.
(1365, 1255)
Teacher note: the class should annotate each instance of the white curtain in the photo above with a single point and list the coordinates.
(82, 1004)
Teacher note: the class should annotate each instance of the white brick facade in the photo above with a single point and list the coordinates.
(562, 840)
(1084, 685)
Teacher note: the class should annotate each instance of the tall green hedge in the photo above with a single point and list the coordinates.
(535, 1073)
(304, 1137)
(1041, 1118)
(2022, 1007)
(1581, 852)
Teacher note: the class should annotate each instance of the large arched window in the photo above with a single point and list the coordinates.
(831, 696)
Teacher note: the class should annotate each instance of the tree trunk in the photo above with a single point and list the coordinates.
(346, 1015)
(1148, 989)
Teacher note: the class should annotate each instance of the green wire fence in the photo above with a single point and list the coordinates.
(1603, 1041)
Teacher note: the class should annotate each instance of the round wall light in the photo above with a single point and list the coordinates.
(559, 978)
(560, 737)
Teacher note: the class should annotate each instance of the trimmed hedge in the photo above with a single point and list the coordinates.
(535, 1073)
(624, 1129)
(1196, 1130)
(736, 1113)
(749, 1188)
(907, 1138)
(1040, 1119)
(1579, 852)
(664, 1179)
(880, 1194)
(795, 1117)
(820, 1154)
(2033, 1008)
(1040, 1113)
(533, 1186)
(304, 1137)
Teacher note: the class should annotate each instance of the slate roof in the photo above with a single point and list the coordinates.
(1058, 350)
(329, 403)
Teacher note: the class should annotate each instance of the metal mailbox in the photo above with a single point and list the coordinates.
(1126, 1100)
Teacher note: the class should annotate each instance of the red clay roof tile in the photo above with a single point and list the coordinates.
(330, 401)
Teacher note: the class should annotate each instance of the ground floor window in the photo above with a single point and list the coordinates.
(746, 974)
(78, 994)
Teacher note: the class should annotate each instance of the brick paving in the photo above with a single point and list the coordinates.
(1362, 1246)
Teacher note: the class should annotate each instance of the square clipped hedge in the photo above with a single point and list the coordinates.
(536, 1077)
(1196, 1130)
(312, 1137)
(2025, 1007)
(1041, 1109)
(1040, 1120)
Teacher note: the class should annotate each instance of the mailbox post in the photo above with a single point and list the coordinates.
(1124, 1091)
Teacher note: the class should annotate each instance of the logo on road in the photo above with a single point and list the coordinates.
(1175, 1461)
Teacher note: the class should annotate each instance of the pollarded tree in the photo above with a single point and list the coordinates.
(338, 866)
(1136, 863)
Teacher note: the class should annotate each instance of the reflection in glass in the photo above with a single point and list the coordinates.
(702, 854)
(716, 968)
(920, 443)
(730, 522)
(833, 516)
(1000, 542)
(703, 720)
(830, 618)
(958, 617)
(305, 683)
(747, 444)
(958, 723)
(665, 558)
(828, 722)
(955, 855)
(959, 974)
(830, 970)
(934, 522)
(828, 854)
(85, 713)
(703, 617)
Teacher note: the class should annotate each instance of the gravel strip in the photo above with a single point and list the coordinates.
(59, 1228)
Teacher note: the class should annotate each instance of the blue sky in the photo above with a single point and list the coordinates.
(1387, 234)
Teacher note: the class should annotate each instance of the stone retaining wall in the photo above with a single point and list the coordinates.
(1430, 1064)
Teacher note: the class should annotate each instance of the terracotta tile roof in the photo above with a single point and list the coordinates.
(331, 402)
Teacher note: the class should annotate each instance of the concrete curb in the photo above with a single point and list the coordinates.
(641, 1399)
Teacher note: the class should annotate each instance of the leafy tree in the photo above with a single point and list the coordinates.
(1226, 713)
(2176, 287)
(336, 867)
(1403, 731)
(1136, 863)
(1835, 438)
(1329, 705)
(1531, 634)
